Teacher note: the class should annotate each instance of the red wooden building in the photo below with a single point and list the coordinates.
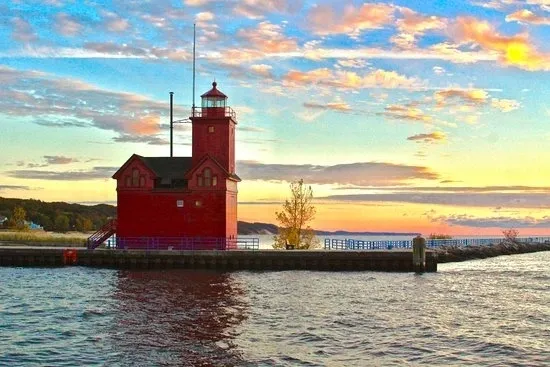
(184, 202)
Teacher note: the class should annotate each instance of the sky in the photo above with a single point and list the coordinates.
(403, 116)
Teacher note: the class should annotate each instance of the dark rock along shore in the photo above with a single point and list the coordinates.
(447, 254)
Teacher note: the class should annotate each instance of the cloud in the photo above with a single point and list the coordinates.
(336, 105)
(461, 189)
(362, 174)
(351, 80)
(114, 23)
(408, 112)
(111, 49)
(505, 105)
(269, 38)
(470, 97)
(511, 50)
(52, 101)
(413, 25)
(150, 140)
(204, 16)
(527, 16)
(22, 31)
(94, 173)
(436, 136)
(257, 9)
(438, 70)
(59, 159)
(466, 99)
(504, 4)
(198, 2)
(325, 20)
(494, 222)
(14, 187)
(484, 199)
(67, 25)
(352, 63)
(262, 69)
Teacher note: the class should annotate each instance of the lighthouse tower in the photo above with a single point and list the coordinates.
(213, 157)
(214, 129)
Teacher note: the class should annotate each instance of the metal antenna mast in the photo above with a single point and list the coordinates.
(172, 122)
(194, 42)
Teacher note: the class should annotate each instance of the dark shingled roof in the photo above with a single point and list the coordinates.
(168, 167)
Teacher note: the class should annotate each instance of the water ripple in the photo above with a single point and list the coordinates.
(487, 312)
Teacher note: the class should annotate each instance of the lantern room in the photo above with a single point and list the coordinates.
(213, 102)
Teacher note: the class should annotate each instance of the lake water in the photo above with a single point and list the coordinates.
(484, 312)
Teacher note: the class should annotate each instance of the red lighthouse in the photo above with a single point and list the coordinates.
(185, 202)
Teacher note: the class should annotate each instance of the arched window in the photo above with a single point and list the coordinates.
(135, 177)
(128, 181)
(215, 181)
(142, 181)
(207, 177)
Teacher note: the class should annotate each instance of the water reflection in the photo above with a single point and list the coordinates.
(186, 318)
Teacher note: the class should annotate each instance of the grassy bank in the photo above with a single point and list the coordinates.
(42, 238)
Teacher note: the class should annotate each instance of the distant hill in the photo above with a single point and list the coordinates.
(246, 228)
(60, 216)
(92, 217)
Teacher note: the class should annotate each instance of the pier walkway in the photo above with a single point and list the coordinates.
(394, 260)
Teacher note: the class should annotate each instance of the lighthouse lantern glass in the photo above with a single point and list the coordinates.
(208, 102)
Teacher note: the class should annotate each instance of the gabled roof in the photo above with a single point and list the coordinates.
(162, 167)
(206, 157)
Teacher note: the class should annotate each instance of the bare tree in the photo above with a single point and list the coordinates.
(293, 219)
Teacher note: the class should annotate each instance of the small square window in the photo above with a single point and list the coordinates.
(179, 203)
(210, 129)
(198, 203)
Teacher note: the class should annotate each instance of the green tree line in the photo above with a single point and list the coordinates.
(56, 216)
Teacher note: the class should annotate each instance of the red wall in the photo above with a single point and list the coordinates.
(220, 144)
(146, 212)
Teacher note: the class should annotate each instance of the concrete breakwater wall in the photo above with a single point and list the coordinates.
(396, 261)
(447, 254)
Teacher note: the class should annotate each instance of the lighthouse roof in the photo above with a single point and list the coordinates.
(214, 92)
(168, 167)
(162, 167)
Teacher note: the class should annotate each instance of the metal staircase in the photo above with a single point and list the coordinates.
(102, 234)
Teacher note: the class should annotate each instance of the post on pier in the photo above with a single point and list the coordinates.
(419, 254)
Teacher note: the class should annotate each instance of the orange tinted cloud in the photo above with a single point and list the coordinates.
(470, 97)
(527, 16)
(268, 37)
(407, 112)
(146, 125)
(351, 80)
(512, 50)
(324, 20)
(414, 24)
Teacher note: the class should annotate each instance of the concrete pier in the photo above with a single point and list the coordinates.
(393, 260)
